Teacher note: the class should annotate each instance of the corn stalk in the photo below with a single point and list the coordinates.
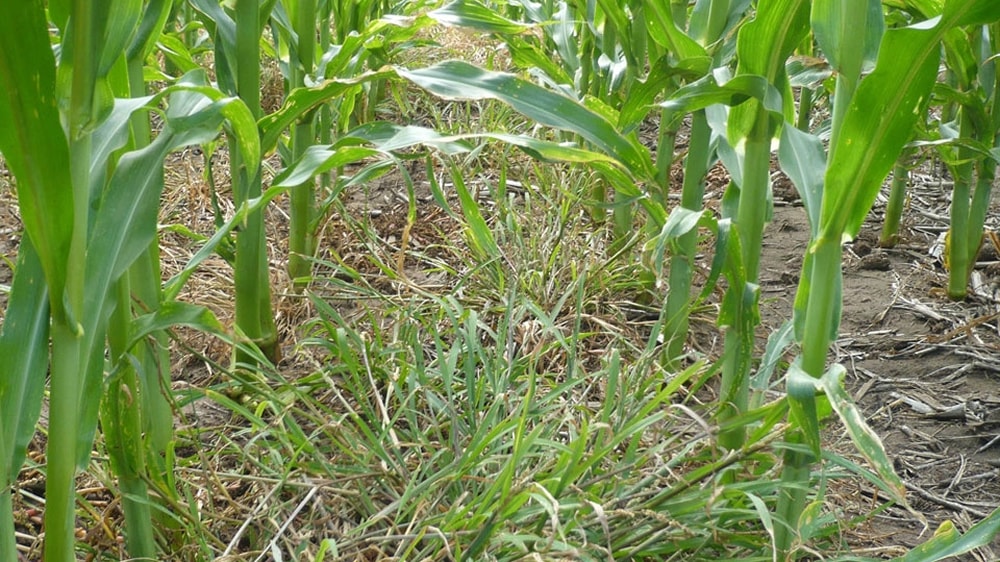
(873, 120)
(88, 214)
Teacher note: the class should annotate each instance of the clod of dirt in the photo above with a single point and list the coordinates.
(862, 248)
(876, 261)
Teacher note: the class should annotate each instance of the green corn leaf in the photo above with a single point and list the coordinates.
(173, 286)
(866, 440)
(462, 81)
(662, 74)
(884, 110)
(807, 72)
(712, 90)
(712, 19)
(801, 390)
(763, 45)
(777, 344)
(125, 223)
(119, 31)
(174, 49)
(848, 33)
(665, 32)
(947, 542)
(474, 15)
(222, 28)
(175, 313)
(680, 221)
(803, 159)
(303, 100)
(24, 346)
(389, 137)
(319, 159)
(30, 126)
(154, 17)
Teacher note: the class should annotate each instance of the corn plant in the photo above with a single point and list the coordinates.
(870, 129)
(763, 45)
(365, 46)
(709, 22)
(970, 154)
(236, 42)
(89, 215)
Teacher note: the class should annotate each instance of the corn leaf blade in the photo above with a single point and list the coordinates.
(30, 126)
(457, 80)
(884, 110)
(24, 346)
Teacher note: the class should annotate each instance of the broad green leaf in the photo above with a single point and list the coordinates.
(710, 90)
(389, 137)
(174, 49)
(222, 28)
(803, 159)
(665, 32)
(303, 100)
(777, 344)
(474, 15)
(807, 72)
(763, 45)
(24, 346)
(662, 74)
(154, 16)
(122, 18)
(112, 135)
(175, 313)
(864, 438)
(319, 159)
(29, 127)
(801, 389)
(711, 19)
(882, 114)
(461, 81)
(848, 33)
(947, 542)
(125, 224)
(680, 221)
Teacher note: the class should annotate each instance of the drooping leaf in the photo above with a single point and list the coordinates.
(864, 438)
(24, 346)
(474, 15)
(29, 128)
(716, 89)
(303, 100)
(462, 81)
(176, 313)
